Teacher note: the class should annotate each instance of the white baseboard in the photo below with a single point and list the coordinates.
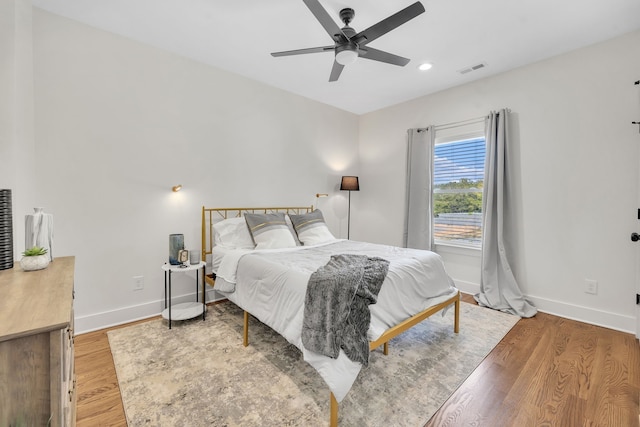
(593, 316)
(107, 319)
(467, 287)
(589, 315)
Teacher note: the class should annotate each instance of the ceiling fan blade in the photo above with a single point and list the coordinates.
(325, 20)
(382, 56)
(303, 51)
(388, 24)
(335, 71)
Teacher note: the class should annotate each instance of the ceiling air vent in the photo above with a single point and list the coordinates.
(473, 68)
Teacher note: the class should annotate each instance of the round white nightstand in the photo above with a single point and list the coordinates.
(185, 310)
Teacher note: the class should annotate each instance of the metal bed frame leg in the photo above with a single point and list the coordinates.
(333, 420)
(456, 322)
(245, 339)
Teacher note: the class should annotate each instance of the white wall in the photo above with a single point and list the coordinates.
(119, 123)
(17, 162)
(576, 176)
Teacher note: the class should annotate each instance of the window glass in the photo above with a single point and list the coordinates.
(457, 190)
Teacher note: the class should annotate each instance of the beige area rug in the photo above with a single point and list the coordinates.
(199, 374)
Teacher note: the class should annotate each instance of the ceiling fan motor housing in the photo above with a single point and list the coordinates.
(348, 31)
(346, 46)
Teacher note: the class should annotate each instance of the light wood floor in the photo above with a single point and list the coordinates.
(547, 371)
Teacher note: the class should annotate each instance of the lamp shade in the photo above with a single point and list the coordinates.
(350, 183)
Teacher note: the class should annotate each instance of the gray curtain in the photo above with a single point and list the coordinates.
(498, 286)
(418, 230)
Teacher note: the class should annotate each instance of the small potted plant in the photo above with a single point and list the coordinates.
(35, 258)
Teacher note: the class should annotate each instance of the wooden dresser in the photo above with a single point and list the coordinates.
(37, 380)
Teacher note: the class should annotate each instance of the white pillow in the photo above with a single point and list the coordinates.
(311, 228)
(233, 233)
(270, 231)
(315, 236)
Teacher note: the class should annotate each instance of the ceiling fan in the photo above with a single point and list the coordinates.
(349, 45)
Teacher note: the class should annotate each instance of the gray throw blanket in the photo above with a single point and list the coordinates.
(336, 306)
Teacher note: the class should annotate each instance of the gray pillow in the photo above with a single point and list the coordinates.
(270, 231)
(311, 228)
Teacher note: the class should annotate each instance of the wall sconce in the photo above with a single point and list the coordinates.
(349, 183)
(318, 195)
(176, 188)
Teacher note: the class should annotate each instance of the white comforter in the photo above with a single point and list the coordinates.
(271, 285)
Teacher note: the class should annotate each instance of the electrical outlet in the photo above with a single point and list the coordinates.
(138, 283)
(591, 287)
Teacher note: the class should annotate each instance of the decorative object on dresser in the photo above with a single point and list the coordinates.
(36, 318)
(38, 231)
(176, 244)
(6, 230)
(35, 258)
(349, 183)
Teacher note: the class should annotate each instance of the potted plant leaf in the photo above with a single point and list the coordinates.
(35, 258)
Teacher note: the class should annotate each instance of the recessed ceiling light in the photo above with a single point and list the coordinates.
(425, 66)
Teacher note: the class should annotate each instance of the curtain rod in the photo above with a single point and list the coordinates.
(460, 123)
(454, 124)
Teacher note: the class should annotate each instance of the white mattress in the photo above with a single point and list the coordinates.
(271, 285)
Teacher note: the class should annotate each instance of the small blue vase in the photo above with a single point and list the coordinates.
(176, 244)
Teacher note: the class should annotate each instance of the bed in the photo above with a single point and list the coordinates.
(264, 268)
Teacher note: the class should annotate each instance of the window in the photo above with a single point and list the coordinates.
(457, 190)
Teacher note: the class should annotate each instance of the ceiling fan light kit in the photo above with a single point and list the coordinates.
(349, 45)
(346, 55)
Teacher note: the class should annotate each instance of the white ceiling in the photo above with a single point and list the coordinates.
(239, 36)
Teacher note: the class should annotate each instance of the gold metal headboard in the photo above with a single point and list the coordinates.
(212, 215)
